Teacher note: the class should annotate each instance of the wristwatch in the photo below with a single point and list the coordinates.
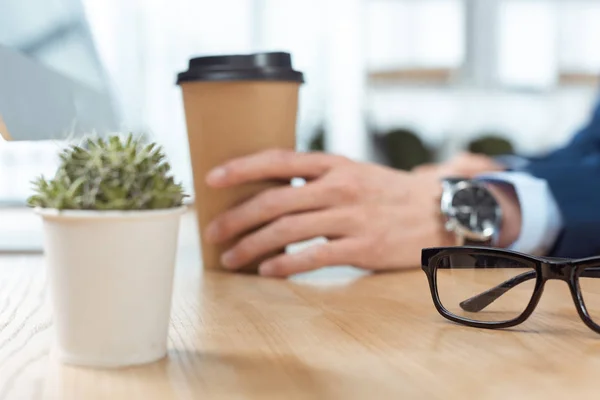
(471, 212)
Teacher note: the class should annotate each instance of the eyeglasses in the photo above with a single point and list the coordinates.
(494, 288)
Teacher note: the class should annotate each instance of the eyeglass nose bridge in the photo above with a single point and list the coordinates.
(557, 270)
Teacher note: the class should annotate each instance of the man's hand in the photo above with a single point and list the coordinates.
(374, 217)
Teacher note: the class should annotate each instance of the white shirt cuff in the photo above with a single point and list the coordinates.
(512, 162)
(541, 221)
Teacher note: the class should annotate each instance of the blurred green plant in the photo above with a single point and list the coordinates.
(403, 149)
(491, 145)
(317, 142)
(113, 174)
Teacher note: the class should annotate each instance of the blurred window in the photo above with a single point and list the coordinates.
(578, 38)
(415, 34)
(527, 43)
(55, 33)
(542, 42)
(539, 44)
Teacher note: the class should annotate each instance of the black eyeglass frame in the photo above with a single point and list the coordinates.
(546, 268)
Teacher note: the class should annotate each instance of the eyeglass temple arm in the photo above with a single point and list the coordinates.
(482, 300)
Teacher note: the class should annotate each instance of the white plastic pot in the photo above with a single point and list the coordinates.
(111, 283)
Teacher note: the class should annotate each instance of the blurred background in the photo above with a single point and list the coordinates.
(399, 82)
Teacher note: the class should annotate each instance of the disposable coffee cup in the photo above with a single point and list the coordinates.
(235, 105)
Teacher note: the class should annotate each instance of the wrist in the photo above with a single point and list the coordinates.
(507, 199)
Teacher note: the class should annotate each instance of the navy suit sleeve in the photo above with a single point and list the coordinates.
(576, 189)
(573, 176)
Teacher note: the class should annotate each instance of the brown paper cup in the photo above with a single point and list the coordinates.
(230, 117)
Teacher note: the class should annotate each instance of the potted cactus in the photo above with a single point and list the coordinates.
(111, 221)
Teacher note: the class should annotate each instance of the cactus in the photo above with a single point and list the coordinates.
(112, 174)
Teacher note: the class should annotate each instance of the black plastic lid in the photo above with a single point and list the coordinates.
(251, 67)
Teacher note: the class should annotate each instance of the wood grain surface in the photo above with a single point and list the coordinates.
(333, 334)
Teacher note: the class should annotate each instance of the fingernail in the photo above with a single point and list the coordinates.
(216, 175)
(228, 259)
(266, 269)
(212, 233)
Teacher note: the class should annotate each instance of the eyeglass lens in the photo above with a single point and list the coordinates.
(486, 288)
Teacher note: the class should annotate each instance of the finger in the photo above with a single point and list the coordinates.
(428, 171)
(271, 164)
(425, 168)
(287, 230)
(263, 208)
(336, 252)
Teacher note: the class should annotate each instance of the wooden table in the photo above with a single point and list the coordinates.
(333, 334)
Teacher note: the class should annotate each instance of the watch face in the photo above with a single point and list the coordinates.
(475, 208)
